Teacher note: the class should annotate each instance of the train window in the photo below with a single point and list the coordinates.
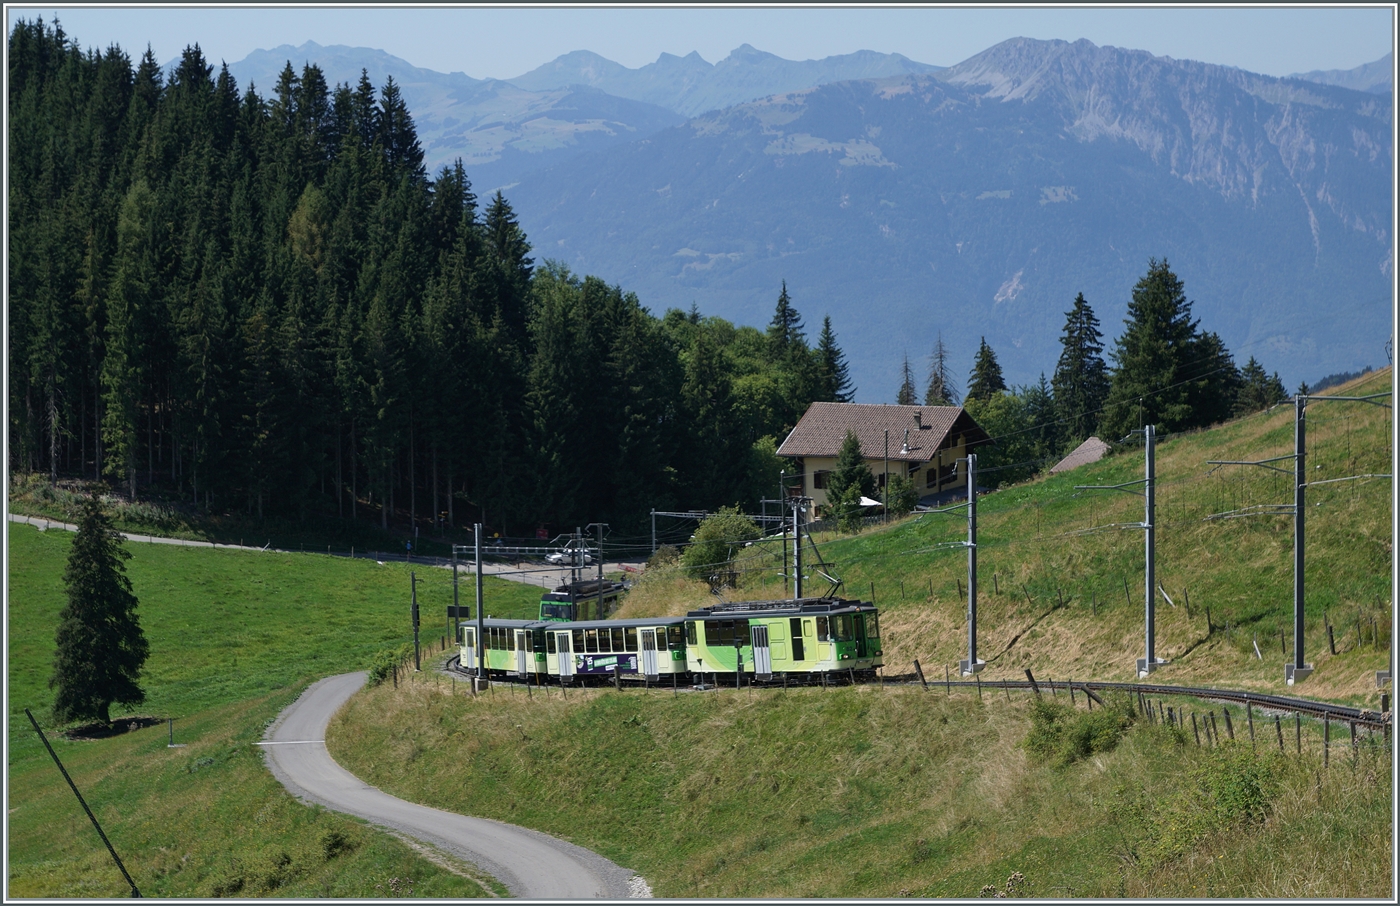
(677, 640)
(712, 632)
(690, 634)
(661, 638)
(510, 640)
(578, 640)
(822, 634)
(631, 634)
(617, 640)
(741, 632)
(470, 636)
(537, 640)
(599, 640)
(842, 628)
(872, 626)
(549, 642)
(590, 641)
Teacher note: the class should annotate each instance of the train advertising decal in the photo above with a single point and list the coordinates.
(604, 663)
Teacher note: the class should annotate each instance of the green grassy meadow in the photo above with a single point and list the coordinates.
(870, 791)
(235, 636)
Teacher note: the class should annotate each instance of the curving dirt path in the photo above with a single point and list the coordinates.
(530, 864)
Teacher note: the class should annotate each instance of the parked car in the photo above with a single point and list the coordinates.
(569, 558)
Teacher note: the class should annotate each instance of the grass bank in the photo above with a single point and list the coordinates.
(871, 792)
(234, 637)
(1061, 587)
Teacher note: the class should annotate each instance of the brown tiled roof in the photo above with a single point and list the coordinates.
(1092, 450)
(823, 427)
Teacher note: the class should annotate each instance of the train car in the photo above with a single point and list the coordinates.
(512, 647)
(586, 600)
(804, 637)
(649, 647)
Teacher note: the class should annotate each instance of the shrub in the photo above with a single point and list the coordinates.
(1231, 787)
(384, 662)
(1065, 735)
(713, 546)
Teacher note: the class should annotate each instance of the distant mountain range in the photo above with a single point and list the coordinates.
(906, 199)
(1377, 77)
(978, 200)
(688, 85)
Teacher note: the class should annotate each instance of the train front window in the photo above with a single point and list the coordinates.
(555, 611)
(842, 628)
(872, 627)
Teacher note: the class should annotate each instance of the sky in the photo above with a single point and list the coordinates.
(507, 42)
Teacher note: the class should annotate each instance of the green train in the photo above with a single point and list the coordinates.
(763, 640)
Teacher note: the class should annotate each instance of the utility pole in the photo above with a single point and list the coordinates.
(887, 476)
(600, 526)
(1299, 669)
(972, 665)
(413, 605)
(480, 617)
(1149, 662)
(653, 530)
(456, 611)
(797, 548)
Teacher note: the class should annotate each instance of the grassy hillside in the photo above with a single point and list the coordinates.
(883, 792)
(234, 638)
(1044, 540)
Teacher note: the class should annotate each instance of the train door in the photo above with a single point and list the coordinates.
(649, 668)
(861, 647)
(566, 658)
(469, 647)
(522, 653)
(762, 658)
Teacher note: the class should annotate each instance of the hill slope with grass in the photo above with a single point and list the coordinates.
(235, 636)
(1054, 563)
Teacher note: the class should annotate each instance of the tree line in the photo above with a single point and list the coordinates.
(1166, 371)
(266, 306)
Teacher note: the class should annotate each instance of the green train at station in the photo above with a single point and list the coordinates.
(766, 641)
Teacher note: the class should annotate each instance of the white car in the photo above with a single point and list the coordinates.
(569, 558)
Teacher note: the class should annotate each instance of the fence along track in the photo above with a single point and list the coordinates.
(1360, 716)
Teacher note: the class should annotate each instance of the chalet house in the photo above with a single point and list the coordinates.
(924, 444)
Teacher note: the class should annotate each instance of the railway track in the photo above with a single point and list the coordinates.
(1262, 701)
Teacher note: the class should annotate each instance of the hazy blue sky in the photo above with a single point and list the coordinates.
(501, 43)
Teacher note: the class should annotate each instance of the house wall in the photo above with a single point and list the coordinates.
(814, 464)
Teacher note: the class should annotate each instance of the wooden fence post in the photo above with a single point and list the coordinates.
(1195, 729)
(947, 684)
(1331, 642)
(1249, 712)
(1326, 736)
(1034, 686)
(920, 671)
(1278, 728)
(1229, 727)
(1298, 730)
(1214, 730)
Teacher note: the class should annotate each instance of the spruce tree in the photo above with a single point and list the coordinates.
(849, 481)
(1146, 386)
(939, 390)
(1080, 384)
(832, 372)
(1258, 390)
(905, 396)
(986, 378)
(785, 330)
(100, 645)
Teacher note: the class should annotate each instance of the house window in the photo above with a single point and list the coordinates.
(819, 478)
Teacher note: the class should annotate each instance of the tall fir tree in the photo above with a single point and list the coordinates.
(100, 647)
(939, 390)
(1080, 384)
(906, 395)
(986, 378)
(833, 374)
(1146, 386)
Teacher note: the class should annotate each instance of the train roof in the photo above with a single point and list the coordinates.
(794, 607)
(632, 622)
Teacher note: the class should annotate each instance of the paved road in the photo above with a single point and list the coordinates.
(530, 864)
